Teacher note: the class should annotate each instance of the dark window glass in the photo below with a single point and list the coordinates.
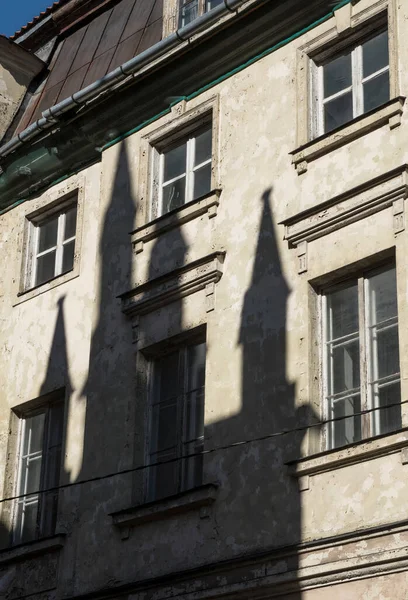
(337, 75)
(375, 54)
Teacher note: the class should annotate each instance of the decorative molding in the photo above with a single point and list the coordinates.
(353, 555)
(197, 498)
(175, 285)
(30, 549)
(302, 257)
(343, 18)
(343, 457)
(206, 204)
(382, 192)
(390, 113)
(398, 213)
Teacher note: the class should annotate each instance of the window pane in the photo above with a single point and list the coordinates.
(33, 474)
(210, 4)
(382, 296)
(375, 54)
(202, 181)
(346, 367)
(56, 420)
(175, 162)
(346, 430)
(174, 195)
(164, 477)
(203, 146)
(188, 11)
(47, 235)
(68, 256)
(49, 514)
(338, 111)
(27, 518)
(34, 433)
(387, 419)
(342, 312)
(376, 91)
(45, 268)
(196, 366)
(167, 377)
(192, 467)
(70, 222)
(385, 352)
(337, 75)
(165, 424)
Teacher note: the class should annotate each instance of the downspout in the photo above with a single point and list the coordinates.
(51, 116)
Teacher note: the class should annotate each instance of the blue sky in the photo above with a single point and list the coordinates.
(17, 13)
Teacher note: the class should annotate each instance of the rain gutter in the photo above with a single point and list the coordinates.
(51, 116)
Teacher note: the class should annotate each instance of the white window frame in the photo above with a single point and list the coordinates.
(44, 455)
(356, 87)
(182, 466)
(189, 172)
(370, 422)
(203, 6)
(33, 254)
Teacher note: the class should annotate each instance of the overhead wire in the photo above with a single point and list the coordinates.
(210, 451)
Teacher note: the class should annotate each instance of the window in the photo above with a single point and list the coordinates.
(38, 468)
(52, 245)
(185, 170)
(191, 9)
(361, 357)
(352, 83)
(177, 420)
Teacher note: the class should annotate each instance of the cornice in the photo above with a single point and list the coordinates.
(356, 204)
(173, 286)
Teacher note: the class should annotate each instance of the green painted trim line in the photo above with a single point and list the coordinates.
(121, 137)
(190, 96)
(2, 212)
(50, 185)
(241, 67)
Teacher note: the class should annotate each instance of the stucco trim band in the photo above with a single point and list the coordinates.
(38, 547)
(205, 495)
(354, 205)
(388, 113)
(343, 457)
(173, 286)
(206, 204)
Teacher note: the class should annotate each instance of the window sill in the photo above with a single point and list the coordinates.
(30, 549)
(206, 204)
(365, 450)
(194, 499)
(387, 113)
(44, 287)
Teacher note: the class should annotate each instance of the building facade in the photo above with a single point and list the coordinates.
(203, 295)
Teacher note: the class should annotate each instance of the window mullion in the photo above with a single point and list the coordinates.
(318, 99)
(325, 367)
(161, 177)
(181, 408)
(363, 317)
(34, 256)
(60, 247)
(44, 470)
(357, 80)
(189, 169)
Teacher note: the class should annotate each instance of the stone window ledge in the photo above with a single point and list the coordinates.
(194, 499)
(205, 204)
(30, 549)
(349, 455)
(387, 113)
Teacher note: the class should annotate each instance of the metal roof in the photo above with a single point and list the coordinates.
(93, 50)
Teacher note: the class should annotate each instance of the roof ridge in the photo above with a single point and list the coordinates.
(38, 18)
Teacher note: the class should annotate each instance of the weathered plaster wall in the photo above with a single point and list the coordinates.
(260, 378)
